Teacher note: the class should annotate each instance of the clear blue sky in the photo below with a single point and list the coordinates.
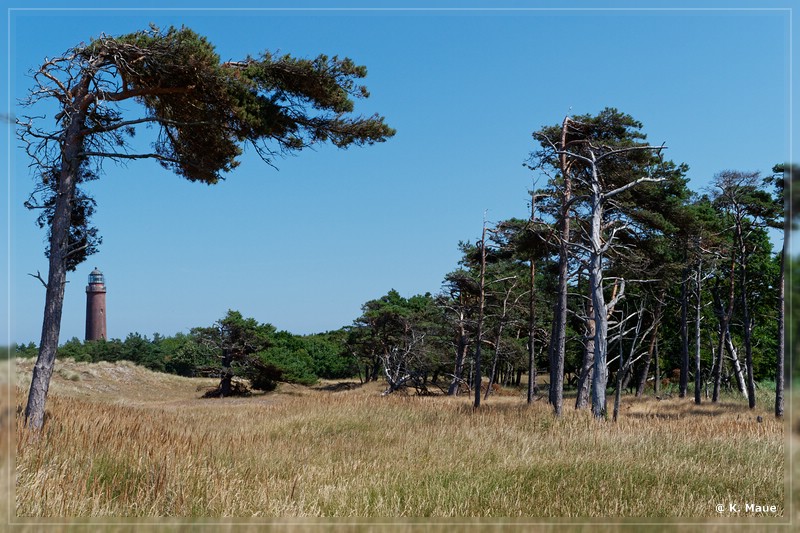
(303, 247)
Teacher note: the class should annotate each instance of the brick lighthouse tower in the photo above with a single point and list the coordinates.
(96, 307)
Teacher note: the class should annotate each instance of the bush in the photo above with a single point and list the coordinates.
(263, 376)
(296, 366)
(20, 350)
(330, 359)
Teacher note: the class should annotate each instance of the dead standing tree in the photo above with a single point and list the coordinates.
(204, 110)
(600, 239)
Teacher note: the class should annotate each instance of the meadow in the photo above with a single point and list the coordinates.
(121, 441)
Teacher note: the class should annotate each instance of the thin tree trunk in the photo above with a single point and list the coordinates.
(623, 370)
(684, 379)
(51, 325)
(698, 309)
(584, 380)
(479, 328)
(585, 375)
(461, 352)
(747, 319)
(500, 327)
(558, 340)
(226, 378)
(724, 316)
(532, 318)
(781, 345)
(492, 373)
(59, 253)
(738, 371)
(651, 348)
(655, 360)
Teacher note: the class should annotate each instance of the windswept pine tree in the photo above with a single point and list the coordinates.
(204, 111)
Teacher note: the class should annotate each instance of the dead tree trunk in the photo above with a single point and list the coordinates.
(461, 352)
(684, 378)
(600, 371)
(584, 380)
(532, 389)
(738, 371)
(598, 244)
(479, 327)
(746, 318)
(500, 327)
(698, 310)
(724, 318)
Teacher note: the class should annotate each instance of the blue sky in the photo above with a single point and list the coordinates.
(304, 246)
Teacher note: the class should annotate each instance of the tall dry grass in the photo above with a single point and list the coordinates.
(305, 452)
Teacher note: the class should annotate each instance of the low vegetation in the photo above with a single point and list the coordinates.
(123, 441)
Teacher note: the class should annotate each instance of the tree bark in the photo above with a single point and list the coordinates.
(684, 378)
(479, 328)
(746, 318)
(532, 318)
(781, 346)
(71, 148)
(724, 317)
(600, 371)
(225, 382)
(584, 380)
(558, 339)
(698, 309)
(739, 373)
(461, 352)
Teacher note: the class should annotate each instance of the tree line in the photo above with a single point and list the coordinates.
(620, 278)
(263, 354)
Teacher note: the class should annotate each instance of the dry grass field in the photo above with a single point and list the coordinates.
(121, 441)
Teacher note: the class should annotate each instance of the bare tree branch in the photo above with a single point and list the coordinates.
(38, 276)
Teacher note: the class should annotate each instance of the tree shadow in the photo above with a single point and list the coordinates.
(340, 386)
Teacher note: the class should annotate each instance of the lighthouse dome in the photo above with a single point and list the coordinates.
(96, 277)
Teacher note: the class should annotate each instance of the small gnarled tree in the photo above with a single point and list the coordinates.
(204, 111)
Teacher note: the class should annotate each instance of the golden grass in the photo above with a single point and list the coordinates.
(121, 441)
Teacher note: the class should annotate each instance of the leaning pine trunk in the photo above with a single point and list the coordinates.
(51, 325)
(72, 146)
(737, 367)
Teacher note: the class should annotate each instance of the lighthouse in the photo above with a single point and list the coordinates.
(96, 307)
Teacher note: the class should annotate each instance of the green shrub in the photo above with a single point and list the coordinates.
(296, 366)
